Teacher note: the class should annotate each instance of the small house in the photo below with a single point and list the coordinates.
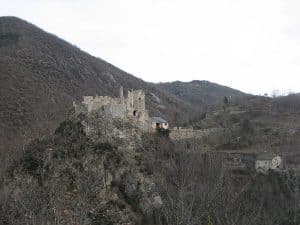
(158, 122)
(268, 161)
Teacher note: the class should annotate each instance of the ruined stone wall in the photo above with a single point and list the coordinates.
(188, 133)
(99, 101)
(115, 110)
(132, 108)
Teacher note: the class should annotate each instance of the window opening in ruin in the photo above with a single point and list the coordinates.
(134, 113)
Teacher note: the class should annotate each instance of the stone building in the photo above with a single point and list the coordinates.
(158, 122)
(132, 107)
(268, 161)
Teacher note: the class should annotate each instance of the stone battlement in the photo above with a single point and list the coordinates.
(95, 103)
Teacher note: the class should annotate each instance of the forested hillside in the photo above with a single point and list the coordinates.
(41, 75)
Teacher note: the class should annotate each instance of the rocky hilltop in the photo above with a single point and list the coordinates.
(90, 171)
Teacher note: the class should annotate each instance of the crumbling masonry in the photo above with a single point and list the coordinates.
(132, 107)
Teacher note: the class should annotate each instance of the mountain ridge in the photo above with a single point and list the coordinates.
(41, 75)
(201, 91)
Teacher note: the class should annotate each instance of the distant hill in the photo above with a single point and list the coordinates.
(203, 93)
(41, 75)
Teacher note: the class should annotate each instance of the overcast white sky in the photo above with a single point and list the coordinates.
(251, 45)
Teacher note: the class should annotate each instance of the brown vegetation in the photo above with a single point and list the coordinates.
(197, 189)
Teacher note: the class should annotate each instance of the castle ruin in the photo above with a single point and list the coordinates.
(132, 107)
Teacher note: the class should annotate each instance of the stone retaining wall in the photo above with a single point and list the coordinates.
(188, 133)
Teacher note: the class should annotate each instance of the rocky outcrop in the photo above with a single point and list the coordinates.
(89, 172)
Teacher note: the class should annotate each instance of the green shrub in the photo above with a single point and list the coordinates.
(206, 219)
(246, 127)
(70, 128)
(103, 147)
(162, 132)
(100, 218)
(31, 160)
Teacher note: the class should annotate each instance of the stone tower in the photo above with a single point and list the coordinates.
(121, 95)
(136, 105)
